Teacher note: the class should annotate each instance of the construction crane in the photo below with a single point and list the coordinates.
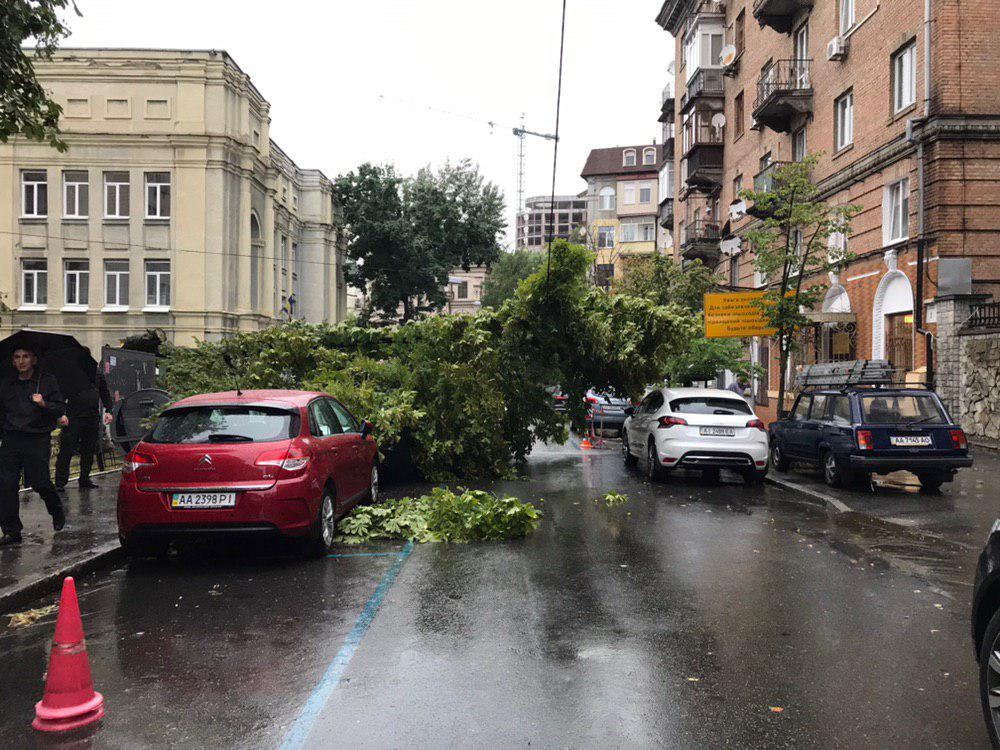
(521, 133)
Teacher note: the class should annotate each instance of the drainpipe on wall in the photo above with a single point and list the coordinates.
(918, 310)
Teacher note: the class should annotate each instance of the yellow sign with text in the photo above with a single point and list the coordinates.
(735, 315)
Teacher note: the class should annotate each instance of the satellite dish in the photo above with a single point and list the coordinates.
(672, 67)
(718, 121)
(728, 55)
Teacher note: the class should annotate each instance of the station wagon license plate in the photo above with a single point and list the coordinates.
(187, 500)
(910, 441)
(718, 431)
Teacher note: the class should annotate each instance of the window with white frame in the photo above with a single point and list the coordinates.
(896, 211)
(630, 232)
(703, 49)
(645, 195)
(904, 77)
(116, 195)
(116, 281)
(34, 282)
(647, 231)
(649, 156)
(34, 194)
(76, 194)
(157, 195)
(836, 247)
(799, 144)
(843, 111)
(667, 180)
(158, 283)
(847, 18)
(629, 195)
(628, 157)
(76, 282)
(605, 237)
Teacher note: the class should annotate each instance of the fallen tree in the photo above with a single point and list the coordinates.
(469, 392)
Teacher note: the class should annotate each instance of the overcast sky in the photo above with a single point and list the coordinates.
(350, 82)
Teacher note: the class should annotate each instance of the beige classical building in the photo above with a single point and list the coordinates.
(172, 208)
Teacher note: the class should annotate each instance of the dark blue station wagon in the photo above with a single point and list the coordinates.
(858, 431)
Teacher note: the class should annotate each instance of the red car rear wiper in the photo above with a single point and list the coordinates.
(221, 437)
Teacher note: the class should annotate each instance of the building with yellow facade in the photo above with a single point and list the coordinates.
(172, 208)
(622, 206)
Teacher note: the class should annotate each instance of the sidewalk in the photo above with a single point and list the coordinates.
(39, 565)
(962, 512)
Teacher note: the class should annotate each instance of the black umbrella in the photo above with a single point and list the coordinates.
(57, 353)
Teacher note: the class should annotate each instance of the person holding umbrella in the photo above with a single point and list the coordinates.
(30, 404)
(81, 429)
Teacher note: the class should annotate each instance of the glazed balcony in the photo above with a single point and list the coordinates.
(701, 240)
(667, 103)
(779, 14)
(783, 91)
(763, 182)
(706, 84)
(666, 214)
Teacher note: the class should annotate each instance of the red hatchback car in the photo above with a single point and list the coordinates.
(291, 462)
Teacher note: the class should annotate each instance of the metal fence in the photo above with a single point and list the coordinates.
(986, 315)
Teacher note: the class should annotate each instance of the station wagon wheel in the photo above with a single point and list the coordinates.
(831, 472)
(320, 542)
(778, 460)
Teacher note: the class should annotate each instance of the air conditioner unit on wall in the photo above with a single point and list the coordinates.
(836, 49)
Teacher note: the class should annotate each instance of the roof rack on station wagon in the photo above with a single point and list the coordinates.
(874, 373)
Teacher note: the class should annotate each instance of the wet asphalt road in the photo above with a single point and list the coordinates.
(681, 619)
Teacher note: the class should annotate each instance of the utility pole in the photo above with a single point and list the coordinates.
(521, 133)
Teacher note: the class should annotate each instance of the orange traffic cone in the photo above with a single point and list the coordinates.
(69, 701)
(585, 443)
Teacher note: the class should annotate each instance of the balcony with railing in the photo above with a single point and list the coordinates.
(702, 145)
(706, 84)
(701, 239)
(779, 14)
(763, 182)
(783, 91)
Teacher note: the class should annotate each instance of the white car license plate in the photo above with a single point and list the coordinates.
(910, 441)
(181, 500)
(718, 431)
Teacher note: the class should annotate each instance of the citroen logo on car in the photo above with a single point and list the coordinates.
(205, 461)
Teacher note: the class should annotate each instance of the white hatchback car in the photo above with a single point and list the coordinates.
(696, 428)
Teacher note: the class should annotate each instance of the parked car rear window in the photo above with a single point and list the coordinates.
(901, 407)
(703, 405)
(224, 424)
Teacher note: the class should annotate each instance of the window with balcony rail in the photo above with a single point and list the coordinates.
(782, 77)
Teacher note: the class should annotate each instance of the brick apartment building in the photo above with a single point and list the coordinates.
(901, 107)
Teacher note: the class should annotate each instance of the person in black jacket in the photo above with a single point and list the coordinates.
(81, 429)
(30, 404)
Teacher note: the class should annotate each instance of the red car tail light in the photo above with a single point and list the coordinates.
(591, 400)
(757, 425)
(136, 460)
(958, 440)
(865, 440)
(666, 422)
(291, 460)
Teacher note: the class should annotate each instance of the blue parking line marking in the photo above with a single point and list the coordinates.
(300, 730)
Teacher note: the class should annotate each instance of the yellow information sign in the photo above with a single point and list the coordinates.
(735, 315)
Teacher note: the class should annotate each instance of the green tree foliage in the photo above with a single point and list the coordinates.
(661, 279)
(469, 390)
(442, 516)
(791, 247)
(509, 270)
(25, 107)
(409, 233)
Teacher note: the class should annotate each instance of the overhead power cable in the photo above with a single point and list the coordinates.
(555, 146)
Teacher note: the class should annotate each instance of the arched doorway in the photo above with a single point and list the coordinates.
(892, 321)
